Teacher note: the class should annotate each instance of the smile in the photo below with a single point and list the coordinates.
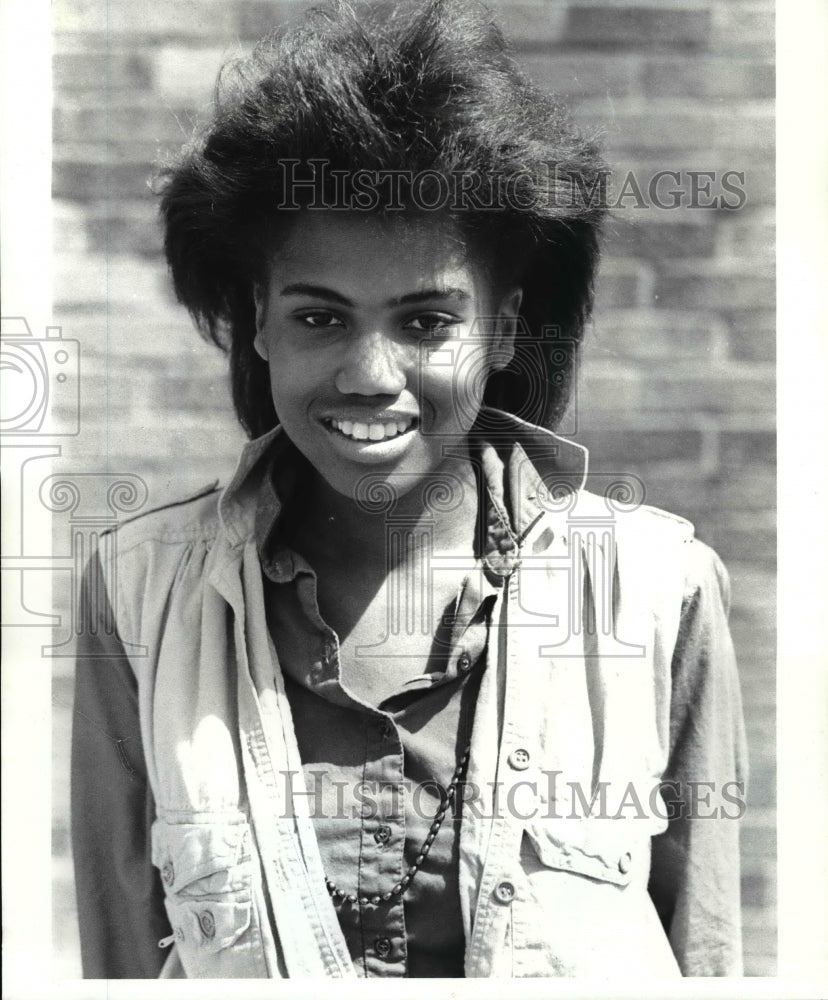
(359, 431)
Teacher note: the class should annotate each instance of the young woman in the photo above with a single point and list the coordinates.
(402, 699)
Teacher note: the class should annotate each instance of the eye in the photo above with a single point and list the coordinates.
(432, 322)
(319, 318)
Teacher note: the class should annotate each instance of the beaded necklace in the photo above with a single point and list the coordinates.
(397, 890)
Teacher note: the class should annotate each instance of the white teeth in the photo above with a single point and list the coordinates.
(371, 432)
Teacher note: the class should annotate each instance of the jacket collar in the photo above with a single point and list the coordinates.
(526, 471)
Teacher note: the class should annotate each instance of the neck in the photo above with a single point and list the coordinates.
(442, 510)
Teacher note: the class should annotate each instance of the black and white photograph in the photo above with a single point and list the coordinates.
(391, 494)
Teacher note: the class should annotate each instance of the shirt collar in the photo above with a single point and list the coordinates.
(520, 466)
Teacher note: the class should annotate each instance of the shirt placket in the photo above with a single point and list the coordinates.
(366, 904)
(382, 859)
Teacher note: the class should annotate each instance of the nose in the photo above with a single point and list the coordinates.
(373, 366)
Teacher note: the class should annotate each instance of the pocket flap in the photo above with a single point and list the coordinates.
(186, 852)
(604, 852)
(208, 925)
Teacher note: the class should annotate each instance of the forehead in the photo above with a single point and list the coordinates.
(389, 253)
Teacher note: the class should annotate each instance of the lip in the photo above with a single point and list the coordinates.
(371, 452)
(362, 417)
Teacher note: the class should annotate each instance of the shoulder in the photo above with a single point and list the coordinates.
(188, 519)
(654, 547)
(669, 536)
(638, 521)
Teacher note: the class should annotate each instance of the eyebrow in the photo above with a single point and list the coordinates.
(412, 298)
(317, 291)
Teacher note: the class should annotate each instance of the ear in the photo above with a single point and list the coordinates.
(506, 328)
(260, 300)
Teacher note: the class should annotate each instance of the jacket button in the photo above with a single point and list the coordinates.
(382, 946)
(519, 759)
(464, 662)
(168, 873)
(208, 924)
(504, 892)
(382, 834)
(625, 863)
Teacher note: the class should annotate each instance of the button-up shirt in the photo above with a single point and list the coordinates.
(377, 774)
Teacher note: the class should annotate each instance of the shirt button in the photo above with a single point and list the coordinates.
(382, 834)
(168, 873)
(382, 946)
(208, 924)
(464, 662)
(386, 730)
(504, 892)
(179, 934)
(519, 759)
(625, 863)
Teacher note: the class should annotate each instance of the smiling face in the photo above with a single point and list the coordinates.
(378, 358)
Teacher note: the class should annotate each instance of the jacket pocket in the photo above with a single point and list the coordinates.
(582, 907)
(603, 850)
(207, 873)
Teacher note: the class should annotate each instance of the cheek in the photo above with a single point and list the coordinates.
(291, 373)
(456, 391)
(287, 398)
(445, 410)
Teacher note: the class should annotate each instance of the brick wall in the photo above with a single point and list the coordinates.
(678, 381)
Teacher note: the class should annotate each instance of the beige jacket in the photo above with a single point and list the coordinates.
(575, 705)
